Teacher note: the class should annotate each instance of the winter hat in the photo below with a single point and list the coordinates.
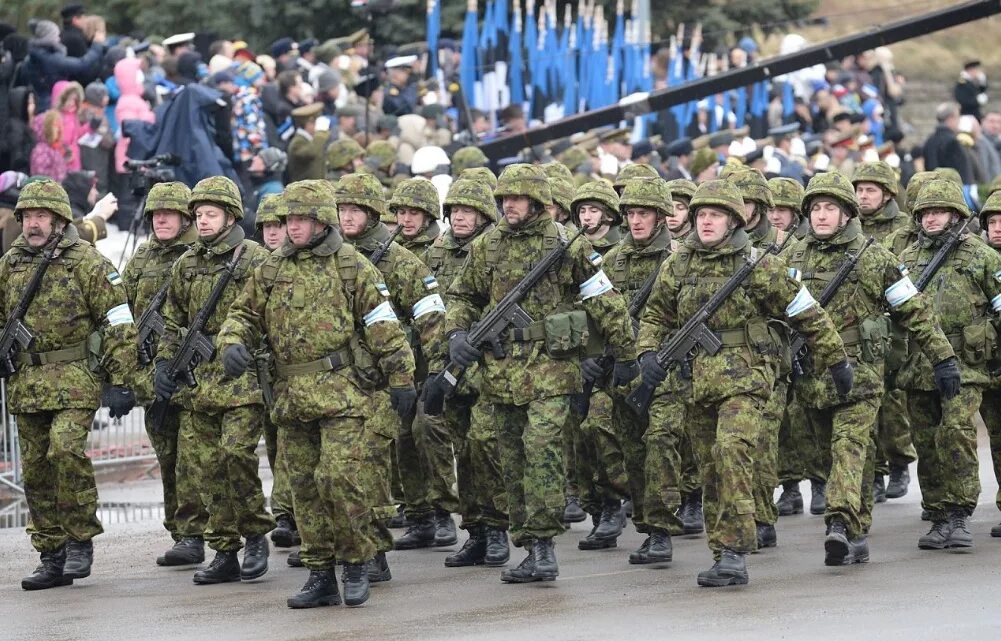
(45, 32)
(327, 81)
(95, 93)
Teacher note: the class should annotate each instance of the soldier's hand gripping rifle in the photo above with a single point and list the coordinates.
(491, 328)
(797, 342)
(152, 326)
(683, 344)
(16, 335)
(196, 347)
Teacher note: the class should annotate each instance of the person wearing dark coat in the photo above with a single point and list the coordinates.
(971, 90)
(943, 149)
(17, 138)
(48, 63)
(72, 36)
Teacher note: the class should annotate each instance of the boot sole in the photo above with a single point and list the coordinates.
(818, 511)
(351, 603)
(230, 579)
(285, 540)
(464, 564)
(32, 587)
(527, 579)
(795, 509)
(76, 575)
(694, 529)
(837, 552)
(297, 564)
(722, 582)
(575, 519)
(996, 533)
(600, 545)
(445, 542)
(256, 575)
(325, 601)
(165, 562)
(419, 546)
(931, 546)
(958, 544)
(896, 495)
(545, 577)
(661, 559)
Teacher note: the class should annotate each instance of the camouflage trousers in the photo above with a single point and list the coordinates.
(798, 451)
(661, 467)
(601, 471)
(59, 481)
(990, 411)
(571, 472)
(845, 433)
(482, 498)
(381, 429)
(183, 512)
(326, 462)
(219, 451)
(691, 478)
(281, 493)
(946, 440)
(766, 475)
(724, 437)
(427, 465)
(531, 456)
(894, 447)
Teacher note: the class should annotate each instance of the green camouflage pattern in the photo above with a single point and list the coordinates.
(940, 193)
(991, 207)
(311, 198)
(363, 190)
(173, 196)
(522, 179)
(380, 156)
(482, 175)
(561, 183)
(418, 193)
(575, 159)
(631, 171)
(468, 158)
(914, 186)
(652, 193)
(272, 209)
(341, 154)
(220, 191)
(881, 224)
(45, 194)
(597, 191)
(703, 159)
(471, 193)
(950, 174)
(878, 172)
(831, 184)
(184, 514)
(681, 189)
(721, 194)
(753, 186)
(482, 498)
(787, 192)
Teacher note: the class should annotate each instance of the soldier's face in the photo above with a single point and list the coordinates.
(210, 219)
(590, 215)
(166, 224)
(516, 209)
(273, 235)
(464, 220)
(37, 225)
(936, 219)
(411, 220)
(678, 218)
(749, 212)
(712, 225)
(826, 218)
(353, 219)
(871, 197)
(559, 214)
(642, 222)
(301, 229)
(994, 230)
(781, 217)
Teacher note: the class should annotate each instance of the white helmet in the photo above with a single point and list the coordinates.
(428, 160)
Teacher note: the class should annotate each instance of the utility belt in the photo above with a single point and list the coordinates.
(78, 352)
(331, 362)
(565, 334)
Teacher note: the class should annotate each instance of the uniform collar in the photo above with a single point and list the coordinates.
(329, 246)
(660, 242)
(371, 238)
(223, 244)
(532, 228)
(889, 211)
(736, 243)
(845, 235)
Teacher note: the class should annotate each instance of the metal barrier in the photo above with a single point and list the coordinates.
(10, 450)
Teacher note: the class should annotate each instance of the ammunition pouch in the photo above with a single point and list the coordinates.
(566, 334)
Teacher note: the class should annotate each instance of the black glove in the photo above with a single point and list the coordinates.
(591, 369)
(624, 372)
(433, 396)
(163, 385)
(844, 377)
(121, 400)
(653, 373)
(235, 360)
(460, 351)
(947, 378)
(403, 400)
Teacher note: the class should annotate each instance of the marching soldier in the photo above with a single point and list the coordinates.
(785, 214)
(990, 406)
(678, 221)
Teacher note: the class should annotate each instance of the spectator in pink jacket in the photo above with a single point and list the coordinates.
(49, 156)
(66, 99)
(131, 105)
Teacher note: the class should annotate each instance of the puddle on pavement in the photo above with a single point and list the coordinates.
(14, 513)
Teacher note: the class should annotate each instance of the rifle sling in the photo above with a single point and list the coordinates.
(76, 352)
(331, 362)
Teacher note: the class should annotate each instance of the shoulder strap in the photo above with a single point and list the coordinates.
(347, 268)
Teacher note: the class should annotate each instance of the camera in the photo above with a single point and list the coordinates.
(143, 174)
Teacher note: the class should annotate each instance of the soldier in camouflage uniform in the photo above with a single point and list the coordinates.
(481, 174)
(344, 156)
(730, 390)
(990, 406)
(415, 295)
(270, 223)
(785, 214)
(424, 447)
(902, 238)
(471, 211)
(468, 158)
(966, 291)
(631, 171)
(562, 185)
(678, 222)
(312, 299)
(223, 425)
(145, 274)
(56, 389)
(651, 444)
(876, 188)
(529, 389)
(380, 161)
(843, 425)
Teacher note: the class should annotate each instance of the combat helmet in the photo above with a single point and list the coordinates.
(787, 192)
(681, 189)
(380, 155)
(721, 194)
(703, 159)
(914, 186)
(173, 196)
(991, 207)
(217, 190)
(879, 172)
(363, 190)
(471, 193)
(601, 192)
(313, 199)
(753, 186)
(652, 193)
(481, 174)
(561, 183)
(44, 194)
(419, 193)
(271, 209)
(467, 158)
(941, 192)
(831, 184)
(949, 173)
(342, 152)
(634, 170)
(574, 158)
(522, 179)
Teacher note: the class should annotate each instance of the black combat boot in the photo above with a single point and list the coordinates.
(900, 481)
(818, 502)
(472, 552)
(224, 568)
(498, 552)
(399, 521)
(996, 531)
(420, 534)
(627, 508)
(49, 574)
(879, 489)
(573, 513)
(320, 590)
(767, 538)
(293, 560)
(444, 529)
(593, 542)
(860, 550)
(524, 573)
(937, 537)
(959, 529)
(355, 577)
(378, 569)
(255, 558)
(611, 521)
(286, 534)
(694, 521)
(190, 550)
(925, 515)
(545, 560)
(639, 555)
(79, 557)
(837, 548)
(791, 500)
(729, 570)
(660, 550)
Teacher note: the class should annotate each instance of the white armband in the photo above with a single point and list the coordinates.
(900, 292)
(382, 314)
(996, 304)
(120, 315)
(595, 286)
(803, 301)
(429, 305)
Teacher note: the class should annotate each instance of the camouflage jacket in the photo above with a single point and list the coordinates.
(901, 238)
(191, 281)
(447, 255)
(420, 245)
(966, 296)
(857, 311)
(884, 222)
(764, 234)
(309, 303)
(610, 240)
(81, 297)
(751, 350)
(414, 293)
(498, 260)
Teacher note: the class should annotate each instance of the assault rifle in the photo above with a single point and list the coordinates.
(152, 326)
(383, 248)
(797, 342)
(941, 254)
(16, 335)
(196, 347)
(491, 328)
(682, 346)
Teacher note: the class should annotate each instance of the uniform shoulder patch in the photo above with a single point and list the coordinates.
(595, 259)
(997, 275)
(430, 282)
(902, 268)
(382, 289)
(114, 278)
